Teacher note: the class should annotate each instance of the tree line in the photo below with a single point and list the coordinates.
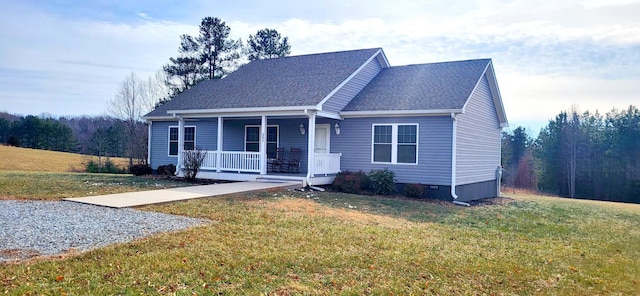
(98, 135)
(578, 155)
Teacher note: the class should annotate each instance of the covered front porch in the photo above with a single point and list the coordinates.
(241, 147)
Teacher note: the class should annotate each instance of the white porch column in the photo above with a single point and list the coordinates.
(263, 145)
(219, 145)
(180, 144)
(311, 146)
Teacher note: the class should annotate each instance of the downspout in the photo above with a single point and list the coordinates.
(149, 143)
(453, 162)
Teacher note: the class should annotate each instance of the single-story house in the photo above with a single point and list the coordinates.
(437, 124)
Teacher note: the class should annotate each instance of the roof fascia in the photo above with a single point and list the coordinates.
(400, 113)
(159, 118)
(497, 97)
(335, 90)
(329, 115)
(384, 59)
(286, 110)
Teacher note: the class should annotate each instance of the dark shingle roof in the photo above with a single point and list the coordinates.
(440, 86)
(291, 81)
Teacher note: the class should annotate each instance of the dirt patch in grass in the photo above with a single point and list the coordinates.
(17, 255)
(297, 207)
(496, 201)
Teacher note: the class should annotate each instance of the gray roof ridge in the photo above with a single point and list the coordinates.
(320, 53)
(443, 62)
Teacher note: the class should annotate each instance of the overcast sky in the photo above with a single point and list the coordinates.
(69, 57)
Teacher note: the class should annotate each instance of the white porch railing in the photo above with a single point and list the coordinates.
(240, 161)
(237, 161)
(327, 163)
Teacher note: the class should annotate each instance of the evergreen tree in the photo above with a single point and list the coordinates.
(266, 44)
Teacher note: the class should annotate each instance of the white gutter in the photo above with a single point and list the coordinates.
(241, 110)
(425, 112)
(453, 161)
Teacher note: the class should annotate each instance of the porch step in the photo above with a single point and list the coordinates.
(283, 179)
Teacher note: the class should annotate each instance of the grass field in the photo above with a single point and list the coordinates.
(35, 160)
(55, 186)
(288, 243)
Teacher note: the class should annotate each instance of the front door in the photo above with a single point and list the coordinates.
(322, 138)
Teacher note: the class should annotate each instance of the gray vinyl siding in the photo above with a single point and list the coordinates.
(205, 139)
(434, 148)
(478, 138)
(288, 135)
(348, 91)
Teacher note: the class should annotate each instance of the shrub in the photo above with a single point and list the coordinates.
(92, 166)
(111, 168)
(191, 163)
(351, 182)
(140, 169)
(414, 190)
(167, 170)
(382, 181)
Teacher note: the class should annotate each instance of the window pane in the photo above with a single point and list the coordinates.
(382, 134)
(271, 150)
(173, 134)
(173, 148)
(189, 133)
(407, 134)
(406, 153)
(252, 147)
(253, 134)
(382, 153)
(272, 134)
(188, 145)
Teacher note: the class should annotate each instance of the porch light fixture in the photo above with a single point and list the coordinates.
(302, 129)
(337, 128)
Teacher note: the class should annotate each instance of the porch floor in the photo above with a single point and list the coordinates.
(132, 199)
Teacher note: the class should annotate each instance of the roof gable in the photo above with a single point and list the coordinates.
(436, 86)
(283, 82)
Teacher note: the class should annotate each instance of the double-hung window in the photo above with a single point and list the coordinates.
(395, 143)
(189, 139)
(252, 139)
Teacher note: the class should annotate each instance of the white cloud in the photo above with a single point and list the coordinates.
(538, 98)
(548, 55)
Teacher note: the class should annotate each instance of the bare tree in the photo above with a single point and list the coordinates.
(154, 90)
(130, 104)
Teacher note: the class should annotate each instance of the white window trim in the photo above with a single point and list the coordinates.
(258, 126)
(394, 143)
(169, 138)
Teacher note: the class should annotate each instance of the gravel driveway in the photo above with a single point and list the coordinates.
(34, 228)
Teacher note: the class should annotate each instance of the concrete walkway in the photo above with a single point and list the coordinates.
(132, 199)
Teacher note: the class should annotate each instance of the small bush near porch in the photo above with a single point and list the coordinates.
(381, 182)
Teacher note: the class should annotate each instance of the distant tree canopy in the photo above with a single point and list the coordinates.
(267, 43)
(38, 133)
(584, 155)
(99, 135)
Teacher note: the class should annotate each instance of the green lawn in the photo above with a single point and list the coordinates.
(287, 242)
(55, 186)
